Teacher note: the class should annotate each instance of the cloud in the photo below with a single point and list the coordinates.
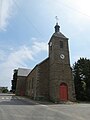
(17, 58)
(2, 55)
(39, 46)
(78, 11)
(5, 13)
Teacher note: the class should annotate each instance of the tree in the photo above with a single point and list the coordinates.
(4, 89)
(81, 73)
(14, 81)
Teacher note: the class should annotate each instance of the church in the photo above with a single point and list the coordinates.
(52, 79)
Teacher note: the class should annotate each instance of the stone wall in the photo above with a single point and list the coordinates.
(37, 81)
(60, 71)
(32, 83)
(44, 79)
(21, 85)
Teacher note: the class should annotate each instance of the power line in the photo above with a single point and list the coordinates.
(76, 10)
(26, 18)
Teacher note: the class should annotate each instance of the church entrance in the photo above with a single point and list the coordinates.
(63, 92)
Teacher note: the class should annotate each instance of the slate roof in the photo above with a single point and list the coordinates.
(59, 34)
(23, 71)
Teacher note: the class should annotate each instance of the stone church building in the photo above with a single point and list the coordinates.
(52, 78)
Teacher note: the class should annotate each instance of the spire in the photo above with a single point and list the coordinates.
(56, 26)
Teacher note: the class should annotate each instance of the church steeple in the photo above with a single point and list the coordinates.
(61, 84)
(57, 27)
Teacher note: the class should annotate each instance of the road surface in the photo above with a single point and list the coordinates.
(19, 108)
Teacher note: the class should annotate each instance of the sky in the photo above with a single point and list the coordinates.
(27, 25)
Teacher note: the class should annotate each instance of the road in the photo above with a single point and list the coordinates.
(19, 108)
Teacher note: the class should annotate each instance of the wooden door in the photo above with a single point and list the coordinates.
(63, 92)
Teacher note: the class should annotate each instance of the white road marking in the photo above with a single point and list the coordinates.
(2, 98)
(7, 98)
(44, 105)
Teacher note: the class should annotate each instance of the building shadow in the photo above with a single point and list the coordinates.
(22, 100)
(13, 100)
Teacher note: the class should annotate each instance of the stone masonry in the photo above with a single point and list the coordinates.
(52, 78)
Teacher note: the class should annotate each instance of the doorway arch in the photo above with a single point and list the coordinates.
(63, 92)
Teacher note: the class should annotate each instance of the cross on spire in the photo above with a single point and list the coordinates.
(57, 19)
(56, 26)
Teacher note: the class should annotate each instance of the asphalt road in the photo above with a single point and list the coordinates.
(18, 108)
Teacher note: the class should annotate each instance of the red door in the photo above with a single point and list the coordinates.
(63, 92)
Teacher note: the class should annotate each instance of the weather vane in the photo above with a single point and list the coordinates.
(56, 19)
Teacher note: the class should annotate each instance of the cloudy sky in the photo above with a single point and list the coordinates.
(27, 25)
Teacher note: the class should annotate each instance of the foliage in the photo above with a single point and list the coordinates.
(81, 73)
(14, 81)
(4, 89)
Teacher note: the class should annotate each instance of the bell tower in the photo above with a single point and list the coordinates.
(61, 84)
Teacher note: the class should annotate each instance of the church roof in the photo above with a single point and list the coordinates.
(23, 71)
(59, 34)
